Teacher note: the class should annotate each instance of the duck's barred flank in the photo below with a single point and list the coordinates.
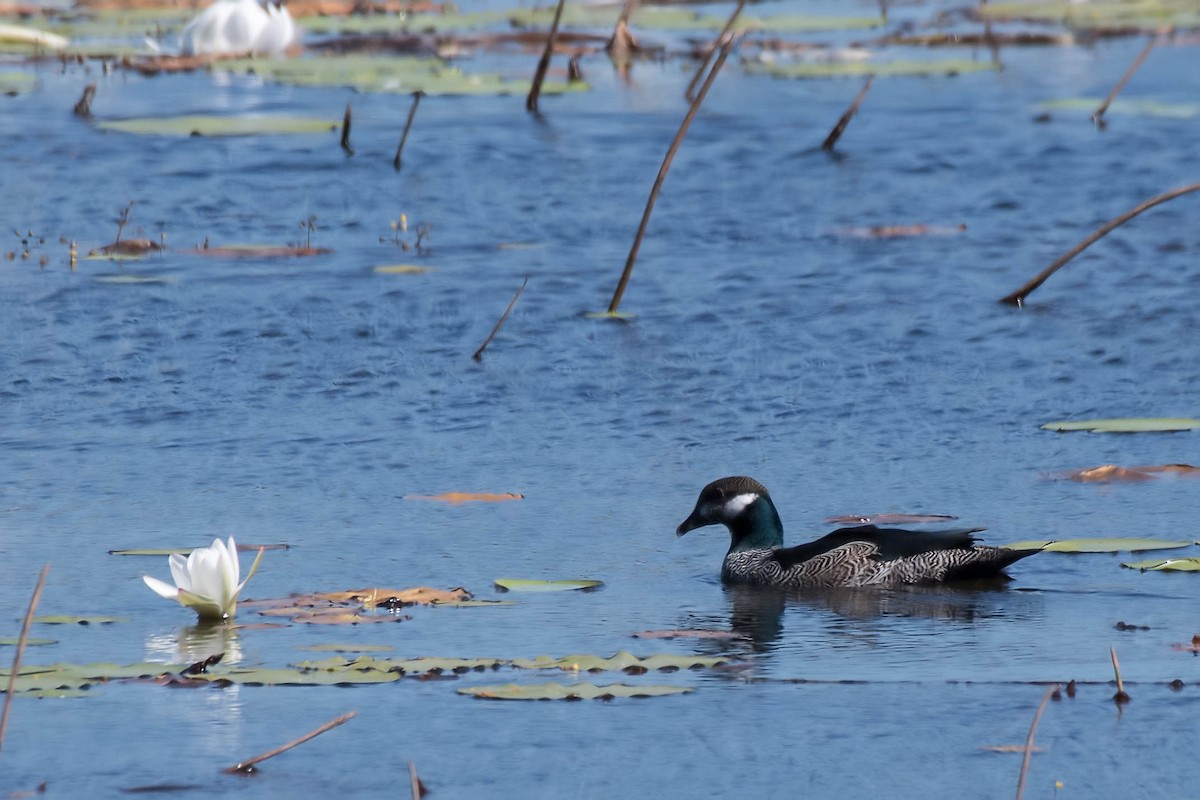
(859, 556)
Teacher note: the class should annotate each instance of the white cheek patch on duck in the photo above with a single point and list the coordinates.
(735, 505)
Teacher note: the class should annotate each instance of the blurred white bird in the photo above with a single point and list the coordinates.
(230, 27)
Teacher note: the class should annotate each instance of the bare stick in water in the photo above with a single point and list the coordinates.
(16, 665)
(418, 788)
(1098, 117)
(539, 75)
(1037, 716)
(712, 51)
(83, 108)
(412, 112)
(1017, 298)
(840, 128)
(478, 356)
(247, 765)
(346, 131)
(1120, 696)
(662, 174)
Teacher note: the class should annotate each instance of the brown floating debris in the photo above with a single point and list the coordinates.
(83, 108)
(346, 131)
(1111, 473)
(1017, 298)
(539, 75)
(901, 231)
(412, 112)
(247, 767)
(16, 664)
(726, 47)
(1029, 739)
(840, 127)
(467, 497)
(129, 247)
(249, 251)
(1098, 117)
(478, 354)
(1125, 626)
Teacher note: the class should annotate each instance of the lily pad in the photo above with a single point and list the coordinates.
(1166, 565)
(1128, 106)
(296, 677)
(848, 69)
(14, 641)
(387, 74)
(575, 691)
(521, 585)
(1129, 425)
(13, 83)
(1142, 14)
(67, 619)
(1098, 545)
(400, 269)
(622, 661)
(198, 125)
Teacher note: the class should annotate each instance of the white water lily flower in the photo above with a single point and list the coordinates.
(206, 581)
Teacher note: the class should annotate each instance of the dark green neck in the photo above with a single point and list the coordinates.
(756, 528)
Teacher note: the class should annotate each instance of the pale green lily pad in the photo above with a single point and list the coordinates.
(1130, 106)
(12, 83)
(67, 619)
(620, 315)
(521, 585)
(1166, 565)
(199, 125)
(50, 693)
(297, 677)
(575, 691)
(1145, 14)
(366, 73)
(56, 677)
(1098, 545)
(14, 641)
(621, 661)
(849, 69)
(1131, 425)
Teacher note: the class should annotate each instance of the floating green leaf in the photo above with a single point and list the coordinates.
(621, 661)
(1129, 106)
(575, 691)
(1166, 565)
(198, 125)
(13, 641)
(366, 73)
(1097, 545)
(296, 677)
(847, 69)
(67, 619)
(1144, 14)
(520, 585)
(1131, 425)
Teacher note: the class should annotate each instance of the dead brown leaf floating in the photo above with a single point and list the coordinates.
(1111, 473)
(257, 251)
(354, 606)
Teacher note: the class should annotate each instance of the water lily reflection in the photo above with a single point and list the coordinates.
(206, 581)
(194, 643)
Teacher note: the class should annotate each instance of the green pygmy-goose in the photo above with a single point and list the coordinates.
(859, 556)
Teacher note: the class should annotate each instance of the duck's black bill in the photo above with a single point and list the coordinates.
(690, 524)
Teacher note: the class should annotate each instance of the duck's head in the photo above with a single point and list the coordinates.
(741, 504)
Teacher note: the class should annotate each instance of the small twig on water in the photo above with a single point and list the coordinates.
(840, 127)
(83, 108)
(123, 220)
(418, 788)
(247, 767)
(662, 173)
(1017, 298)
(1098, 117)
(539, 75)
(478, 355)
(16, 665)
(412, 112)
(1120, 697)
(712, 50)
(1037, 716)
(346, 131)
(622, 44)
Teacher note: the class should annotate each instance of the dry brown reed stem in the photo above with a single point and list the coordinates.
(1120, 696)
(245, 766)
(662, 173)
(412, 112)
(478, 355)
(1037, 716)
(716, 45)
(539, 75)
(840, 127)
(346, 131)
(418, 790)
(1017, 298)
(1098, 117)
(16, 665)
